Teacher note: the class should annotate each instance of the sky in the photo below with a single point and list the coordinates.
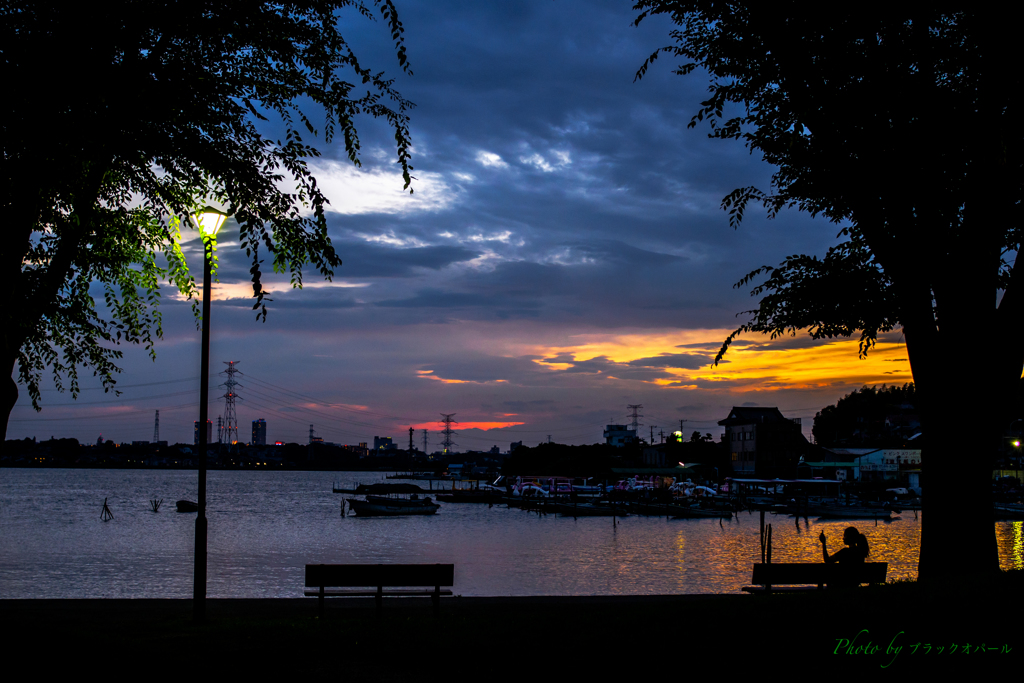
(563, 255)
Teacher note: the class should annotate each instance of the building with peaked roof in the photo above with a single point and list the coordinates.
(763, 443)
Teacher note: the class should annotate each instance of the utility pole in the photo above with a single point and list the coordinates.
(411, 432)
(424, 441)
(156, 428)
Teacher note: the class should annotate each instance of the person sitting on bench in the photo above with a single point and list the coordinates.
(857, 551)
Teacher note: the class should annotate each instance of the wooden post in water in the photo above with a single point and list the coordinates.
(762, 536)
(768, 559)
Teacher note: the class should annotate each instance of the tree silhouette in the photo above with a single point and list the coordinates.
(860, 418)
(122, 119)
(902, 127)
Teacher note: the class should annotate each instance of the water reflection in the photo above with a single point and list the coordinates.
(1010, 538)
(264, 528)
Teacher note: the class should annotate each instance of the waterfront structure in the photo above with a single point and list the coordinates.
(882, 464)
(259, 432)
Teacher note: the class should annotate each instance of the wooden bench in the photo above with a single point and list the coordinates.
(766, 576)
(372, 579)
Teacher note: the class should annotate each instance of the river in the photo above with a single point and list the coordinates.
(264, 527)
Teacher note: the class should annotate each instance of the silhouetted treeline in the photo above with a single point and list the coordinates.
(872, 417)
(555, 459)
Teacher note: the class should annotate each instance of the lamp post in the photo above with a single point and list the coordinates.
(209, 221)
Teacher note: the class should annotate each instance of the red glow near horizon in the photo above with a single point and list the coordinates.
(437, 426)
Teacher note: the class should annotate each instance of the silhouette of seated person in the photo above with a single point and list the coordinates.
(854, 554)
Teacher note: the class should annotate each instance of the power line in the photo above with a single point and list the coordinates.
(130, 386)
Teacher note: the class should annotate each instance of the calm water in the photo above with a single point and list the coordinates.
(265, 527)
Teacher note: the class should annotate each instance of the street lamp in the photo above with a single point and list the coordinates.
(209, 221)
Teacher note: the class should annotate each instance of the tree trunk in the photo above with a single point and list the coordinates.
(957, 529)
(8, 397)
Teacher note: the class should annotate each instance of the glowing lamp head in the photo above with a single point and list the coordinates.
(210, 221)
(1016, 443)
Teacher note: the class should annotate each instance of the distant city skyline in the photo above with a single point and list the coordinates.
(564, 255)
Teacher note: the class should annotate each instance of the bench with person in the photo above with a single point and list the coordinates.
(768, 577)
(378, 580)
(844, 569)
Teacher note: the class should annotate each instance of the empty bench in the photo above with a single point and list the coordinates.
(378, 580)
(768, 576)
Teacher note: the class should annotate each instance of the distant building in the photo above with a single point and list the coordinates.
(656, 455)
(619, 435)
(383, 443)
(879, 464)
(514, 445)
(209, 432)
(259, 432)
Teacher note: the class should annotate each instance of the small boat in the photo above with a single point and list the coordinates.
(849, 512)
(187, 506)
(1008, 510)
(378, 489)
(384, 506)
(484, 493)
(588, 510)
(697, 512)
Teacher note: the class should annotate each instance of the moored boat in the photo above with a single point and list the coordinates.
(588, 510)
(383, 506)
(490, 496)
(848, 512)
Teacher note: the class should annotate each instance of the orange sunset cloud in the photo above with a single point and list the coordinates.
(754, 362)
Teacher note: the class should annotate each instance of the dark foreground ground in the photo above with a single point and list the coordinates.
(898, 630)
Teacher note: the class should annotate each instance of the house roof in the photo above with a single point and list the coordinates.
(744, 415)
(852, 452)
